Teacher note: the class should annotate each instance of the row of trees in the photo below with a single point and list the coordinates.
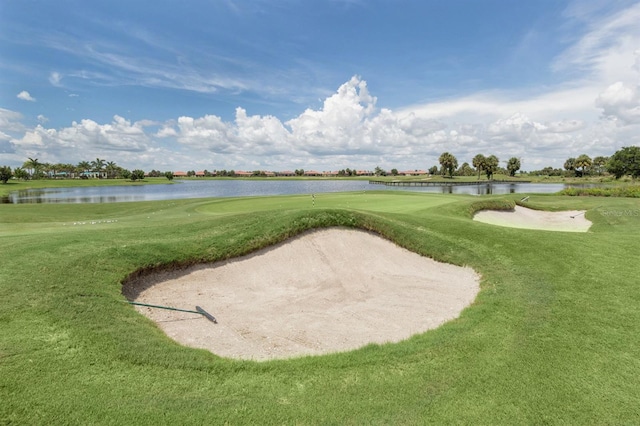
(623, 162)
(34, 169)
(583, 165)
(488, 165)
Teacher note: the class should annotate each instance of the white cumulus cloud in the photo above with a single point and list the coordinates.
(25, 96)
(117, 141)
(621, 102)
(343, 125)
(11, 121)
(348, 130)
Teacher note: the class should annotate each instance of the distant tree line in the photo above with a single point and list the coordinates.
(624, 162)
(488, 165)
(33, 169)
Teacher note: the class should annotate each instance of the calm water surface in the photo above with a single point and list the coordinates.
(245, 188)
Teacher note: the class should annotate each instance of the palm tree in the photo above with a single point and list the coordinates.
(48, 169)
(449, 163)
(98, 165)
(33, 165)
(583, 162)
(57, 169)
(478, 162)
(599, 163)
(513, 165)
(491, 166)
(570, 164)
(111, 168)
(84, 167)
(69, 168)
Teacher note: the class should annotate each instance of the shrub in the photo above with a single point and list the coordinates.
(632, 191)
(137, 174)
(5, 174)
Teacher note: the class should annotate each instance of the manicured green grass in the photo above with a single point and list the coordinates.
(553, 336)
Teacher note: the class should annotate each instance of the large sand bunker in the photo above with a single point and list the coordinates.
(522, 217)
(325, 291)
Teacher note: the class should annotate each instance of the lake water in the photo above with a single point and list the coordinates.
(244, 188)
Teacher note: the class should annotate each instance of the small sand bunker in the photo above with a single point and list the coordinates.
(521, 217)
(325, 291)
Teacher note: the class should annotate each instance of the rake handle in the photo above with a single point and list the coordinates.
(198, 310)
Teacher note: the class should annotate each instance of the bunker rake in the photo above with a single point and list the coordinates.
(576, 215)
(198, 310)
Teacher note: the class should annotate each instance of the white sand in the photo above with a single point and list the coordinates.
(325, 291)
(521, 217)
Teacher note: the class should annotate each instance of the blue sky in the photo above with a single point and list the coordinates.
(316, 84)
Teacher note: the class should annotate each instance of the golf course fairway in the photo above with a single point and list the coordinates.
(552, 337)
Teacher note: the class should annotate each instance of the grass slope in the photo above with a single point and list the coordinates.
(553, 337)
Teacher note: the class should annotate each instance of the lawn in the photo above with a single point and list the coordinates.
(553, 336)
